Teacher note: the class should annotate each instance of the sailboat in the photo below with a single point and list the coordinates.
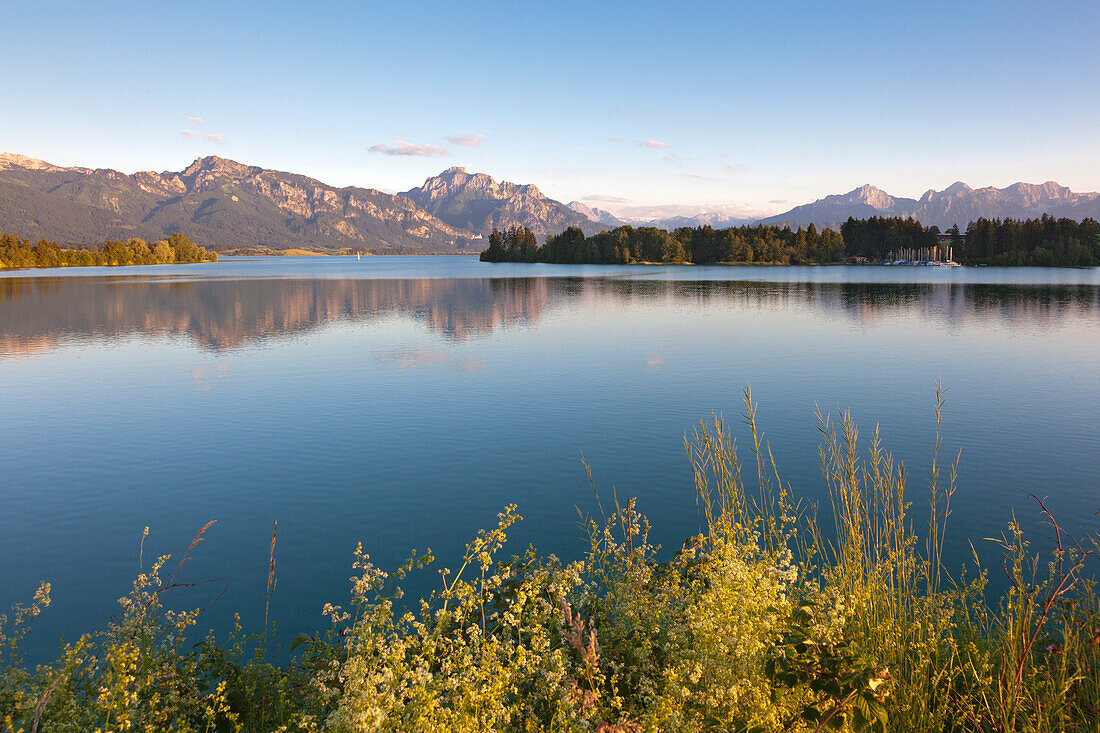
(357, 258)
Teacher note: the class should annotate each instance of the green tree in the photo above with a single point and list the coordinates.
(184, 249)
(162, 253)
(495, 251)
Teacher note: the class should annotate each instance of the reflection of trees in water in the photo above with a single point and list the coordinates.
(37, 313)
(223, 314)
(950, 303)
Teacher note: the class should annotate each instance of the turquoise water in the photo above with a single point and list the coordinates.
(403, 401)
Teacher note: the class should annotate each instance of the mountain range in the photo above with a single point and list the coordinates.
(218, 203)
(597, 215)
(226, 205)
(478, 203)
(957, 204)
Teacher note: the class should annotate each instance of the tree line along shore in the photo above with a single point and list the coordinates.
(1045, 241)
(18, 252)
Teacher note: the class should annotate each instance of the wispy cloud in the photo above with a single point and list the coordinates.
(734, 168)
(600, 199)
(612, 139)
(654, 144)
(777, 201)
(407, 148)
(189, 134)
(196, 120)
(674, 160)
(215, 138)
(467, 141)
(696, 176)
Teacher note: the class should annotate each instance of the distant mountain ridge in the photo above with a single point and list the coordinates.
(597, 215)
(222, 204)
(217, 202)
(957, 204)
(712, 219)
(479, 203)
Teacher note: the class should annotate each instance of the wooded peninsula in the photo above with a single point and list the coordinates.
(1046, 241)
(18, 252)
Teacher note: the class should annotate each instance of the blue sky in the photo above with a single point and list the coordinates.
(758, 105)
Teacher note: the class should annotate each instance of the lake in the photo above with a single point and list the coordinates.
(404, 401)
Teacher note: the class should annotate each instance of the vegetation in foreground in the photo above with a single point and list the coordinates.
(17, 252)
(1042, 242)
(769, 620)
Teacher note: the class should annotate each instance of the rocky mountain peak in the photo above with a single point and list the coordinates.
(214, 165)
(478, 202)
(872, 196)
(15, 160)
(957, 188)
(483, 181)
(458, 181)
(596, 214)
(585, 209)
(1028, 194)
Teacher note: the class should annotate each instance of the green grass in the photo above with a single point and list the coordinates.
(776, 617)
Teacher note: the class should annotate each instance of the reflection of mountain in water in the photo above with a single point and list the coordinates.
(38, 313)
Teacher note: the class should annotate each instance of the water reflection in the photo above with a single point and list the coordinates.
(37, 314)
(422, 405)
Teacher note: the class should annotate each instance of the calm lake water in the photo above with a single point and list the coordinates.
(403, 401)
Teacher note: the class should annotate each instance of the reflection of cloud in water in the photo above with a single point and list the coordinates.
(411, 358)
(655, 363)
(201, 385)
(470, 365)
(202, 378)
(403, 359)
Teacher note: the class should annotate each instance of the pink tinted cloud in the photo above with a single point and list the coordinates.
(467, 141)
(406, 148)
